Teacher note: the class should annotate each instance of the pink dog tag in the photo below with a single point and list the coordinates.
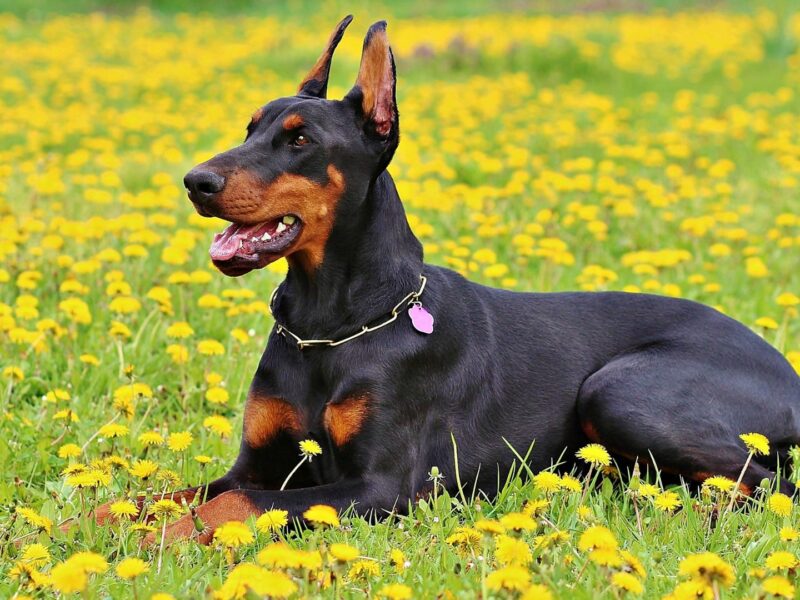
(421, 319)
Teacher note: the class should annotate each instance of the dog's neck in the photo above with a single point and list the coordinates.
(372, 260)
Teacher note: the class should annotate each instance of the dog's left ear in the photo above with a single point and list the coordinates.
(375, 87)
(316, 82)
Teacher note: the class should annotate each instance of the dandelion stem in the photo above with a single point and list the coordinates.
(293, 471)
(735, 490)
(588, 483)
(638, 516)
(121, 357)
(161, 546)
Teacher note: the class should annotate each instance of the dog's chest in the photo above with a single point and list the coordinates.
(306, 405)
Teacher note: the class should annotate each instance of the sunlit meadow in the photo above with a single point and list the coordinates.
(648, 152)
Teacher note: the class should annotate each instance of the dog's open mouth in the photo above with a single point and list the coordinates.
(246, 247)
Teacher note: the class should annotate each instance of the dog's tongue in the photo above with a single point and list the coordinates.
(227, 244)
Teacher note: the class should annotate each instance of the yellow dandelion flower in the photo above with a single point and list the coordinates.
(91, 562)
(667, 501)
(789, 534)
(464, 538)
(35, 554)
(89, 359)
(179, 441)
(13, 374)
(570, 483)
(766, 323)
(512, 551)
(780, 504)
(178, 353)
(648, 490)
(778, 586)
(35, 519)
(309, 448)
(542, 542)
(594, 454)
(272, 520)
(279, 555)
(233, 534)
(321, 514)
(69, 451)
(537, 592)
(363, 569)
(151, 438)
(627, 582)
(218, 424)
(597, 537)
(717, 482)
(247, 580)
(606, 557)
(165, 509)
(787, 299)
(131, 568)
(633, 564)
(143, 468)
(180, 330)
(395, 591)
(143, 528)
(123, 508)
(89, 479)
(694, 589)
(398, 560)
(489, 526)
(217, 395)
(780, 559)
(707, 567)
(547, 482)
(113, 430)
(67, 579)
(756, 443)
(511, 578)
(119, 330)
(535, 508)
(343, 552)
(210, 348)
(518, 522)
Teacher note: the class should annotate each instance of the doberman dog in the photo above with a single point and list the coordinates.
(381, 358)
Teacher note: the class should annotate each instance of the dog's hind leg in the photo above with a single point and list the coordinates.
(687, 415)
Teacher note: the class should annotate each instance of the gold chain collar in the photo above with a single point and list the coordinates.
(410, 298)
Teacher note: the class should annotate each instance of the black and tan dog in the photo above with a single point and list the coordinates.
(382, 393)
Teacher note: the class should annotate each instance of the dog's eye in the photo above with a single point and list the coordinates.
(299, 140)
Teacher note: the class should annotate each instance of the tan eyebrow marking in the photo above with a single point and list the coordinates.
(257, 116)
(293, 122)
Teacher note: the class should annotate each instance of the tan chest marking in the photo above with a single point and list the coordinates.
(345, 419)
(265, 417)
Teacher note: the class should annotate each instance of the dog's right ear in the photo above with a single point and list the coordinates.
(374, 91)
(316, 82)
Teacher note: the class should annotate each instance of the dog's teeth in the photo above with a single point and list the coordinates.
(266, 237)
(241, 244)
(289, 220)
(281, 228)
(254, 239)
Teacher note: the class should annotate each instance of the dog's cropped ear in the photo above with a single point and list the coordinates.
(316, 82)
(375, 86)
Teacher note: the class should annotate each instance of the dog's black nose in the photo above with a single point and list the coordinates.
(203, 185)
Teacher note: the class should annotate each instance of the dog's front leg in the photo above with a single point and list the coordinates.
(238, 505)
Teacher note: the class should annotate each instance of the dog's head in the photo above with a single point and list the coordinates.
(303, 159)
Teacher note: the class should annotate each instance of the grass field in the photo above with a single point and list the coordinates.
(585, 149)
